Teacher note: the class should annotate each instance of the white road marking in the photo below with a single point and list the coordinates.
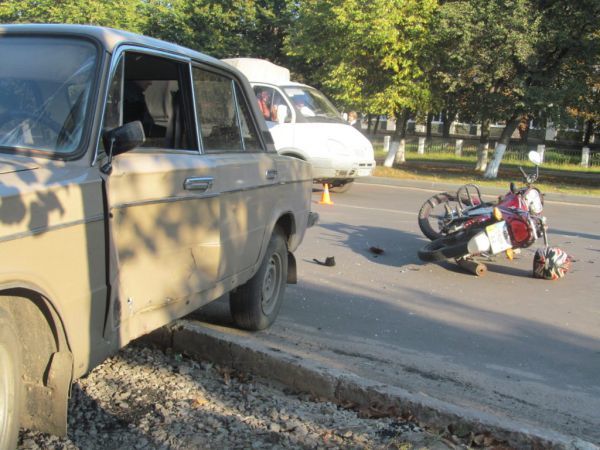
(395, 211)
(411, 188)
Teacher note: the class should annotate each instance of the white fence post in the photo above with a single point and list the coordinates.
(585, 157)
(386, 143)
(541, 148)
(421, 148)
(458, 148)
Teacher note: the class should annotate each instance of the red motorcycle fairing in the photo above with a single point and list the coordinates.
(521, 233)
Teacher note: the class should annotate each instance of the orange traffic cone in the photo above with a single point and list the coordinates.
(325, 200)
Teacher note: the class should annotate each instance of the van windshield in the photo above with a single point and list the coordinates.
(312, 105)
(45, 90)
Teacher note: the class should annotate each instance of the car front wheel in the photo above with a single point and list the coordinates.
(255, 304)
(10, 383)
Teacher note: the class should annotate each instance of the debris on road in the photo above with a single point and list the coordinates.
(329, 261)
(376, 250)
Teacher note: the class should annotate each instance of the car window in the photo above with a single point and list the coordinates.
(151, 90)
(249, 132)
(224, 117)
(45, 92)
(113, 116)
(217, 111)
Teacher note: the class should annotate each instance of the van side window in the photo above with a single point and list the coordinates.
(152, 90)
(269, 100)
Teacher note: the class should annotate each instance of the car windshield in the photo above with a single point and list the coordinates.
(45, 86)
(312, 104)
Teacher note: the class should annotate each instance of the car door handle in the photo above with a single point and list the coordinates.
(271, 174)
(197, 183)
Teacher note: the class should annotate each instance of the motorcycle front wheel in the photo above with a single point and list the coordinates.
(434, 211)
(446, 247)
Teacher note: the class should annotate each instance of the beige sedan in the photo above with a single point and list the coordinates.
(138, 182)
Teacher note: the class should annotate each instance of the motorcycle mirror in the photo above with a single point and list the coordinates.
(535, 157)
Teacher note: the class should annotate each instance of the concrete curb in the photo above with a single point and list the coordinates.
(237, 350)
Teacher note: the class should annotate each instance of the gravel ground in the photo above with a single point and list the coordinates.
(143, 398)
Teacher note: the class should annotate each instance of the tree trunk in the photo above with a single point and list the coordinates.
(428, 127)
(587, 135)
(509, 129)
(400, 135)
(401, 123)
(376, 127)
(396, 155)
(483, 146)
(448, 118)
(369, 119)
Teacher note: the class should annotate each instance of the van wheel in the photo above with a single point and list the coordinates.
(10, 383)
(341, 188)
(255, 305)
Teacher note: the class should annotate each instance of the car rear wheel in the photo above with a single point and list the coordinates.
(255, 304)
(10, 383)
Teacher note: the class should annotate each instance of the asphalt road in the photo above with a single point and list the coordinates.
(504, 343)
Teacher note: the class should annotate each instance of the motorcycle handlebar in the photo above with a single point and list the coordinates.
(523, 172)
(529, 178)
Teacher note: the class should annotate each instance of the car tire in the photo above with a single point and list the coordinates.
(255, 305)
(341, 188)
(10, 383)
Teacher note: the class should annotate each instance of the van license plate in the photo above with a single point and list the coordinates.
(498, 235)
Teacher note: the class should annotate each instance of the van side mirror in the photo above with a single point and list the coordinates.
(282, 112)
(121, 139)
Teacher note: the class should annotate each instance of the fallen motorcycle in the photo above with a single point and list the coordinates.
(467, 226)
(446, 213)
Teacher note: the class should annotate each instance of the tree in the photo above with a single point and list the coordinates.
(472, 62)
(562, 37)
(114, 13)
(222, 28)
(365, 53)
(582, 91)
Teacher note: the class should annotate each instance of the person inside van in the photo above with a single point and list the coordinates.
(354, 120)
(264, 104)
(301, 105)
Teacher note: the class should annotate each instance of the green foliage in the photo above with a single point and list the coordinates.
(365, 53)
(222, 28)
(483, 59)
(114, 13)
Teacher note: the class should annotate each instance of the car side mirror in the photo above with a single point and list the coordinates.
(121, 139)
(282, 112)
(124, 138)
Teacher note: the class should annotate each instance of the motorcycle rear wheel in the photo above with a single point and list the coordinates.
(433, 211)
(446, 247)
